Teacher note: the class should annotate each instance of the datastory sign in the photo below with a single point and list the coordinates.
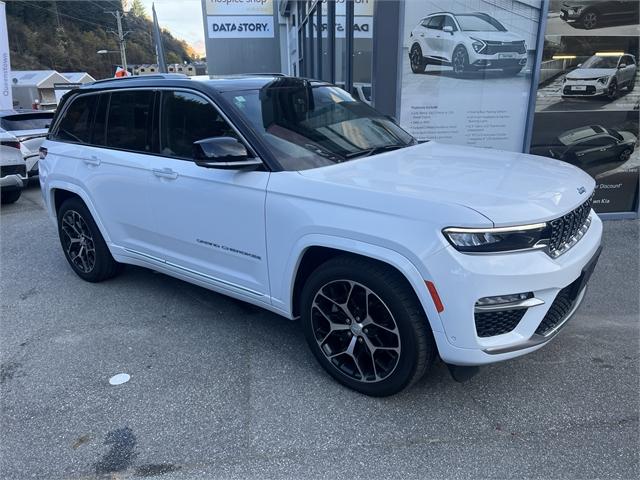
(240, 18)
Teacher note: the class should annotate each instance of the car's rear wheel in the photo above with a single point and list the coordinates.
(590, 19)
(418, 63)
(365, 326)
(625, 155)
(10, 196)
(631, 84)
(460, 61)
(83, 244)
(612, 89)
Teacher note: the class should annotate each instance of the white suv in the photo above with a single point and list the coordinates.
(13, 169)
(466, 42)
(602, 74)
(289, 194)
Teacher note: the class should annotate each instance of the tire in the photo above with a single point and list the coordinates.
(631, 85)
(512, 71)
(92, 260)
(625, 154)
(460, 61)
(590, 19)
(10, 196)
(613, 90)
(416, 59)
(393, 321)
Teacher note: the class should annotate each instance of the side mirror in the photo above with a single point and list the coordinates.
(622, 65)
(448, 29)
(579, 65)
(226, 153)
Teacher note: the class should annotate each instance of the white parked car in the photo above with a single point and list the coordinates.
(603, 74)
(466, 42)
(13, 170)
(291, 195)
(30, 127)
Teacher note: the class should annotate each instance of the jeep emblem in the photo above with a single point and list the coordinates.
(581, 190)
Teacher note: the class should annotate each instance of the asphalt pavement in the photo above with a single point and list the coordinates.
(220, 389)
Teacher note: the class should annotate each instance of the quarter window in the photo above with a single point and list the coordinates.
(187, 118)
(129, 120)
(77, 122)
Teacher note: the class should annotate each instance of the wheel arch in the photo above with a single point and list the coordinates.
(315, 253)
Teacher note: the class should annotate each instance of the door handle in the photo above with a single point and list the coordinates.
(422, 34)
(165, 173)
(93, 160)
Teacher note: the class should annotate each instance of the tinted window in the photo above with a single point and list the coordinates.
(187, 118)
(475, 22)
(129, 120)
(26, 121)
(435, 22)
(100, 122)
(448, 22)
(76, 124)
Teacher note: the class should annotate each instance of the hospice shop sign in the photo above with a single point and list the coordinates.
(240, 18)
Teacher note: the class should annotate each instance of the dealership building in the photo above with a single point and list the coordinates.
(505, 74)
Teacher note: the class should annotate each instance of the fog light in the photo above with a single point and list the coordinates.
(502, 299)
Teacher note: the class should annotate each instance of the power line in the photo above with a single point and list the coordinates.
(65, 15)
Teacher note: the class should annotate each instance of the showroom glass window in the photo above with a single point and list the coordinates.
(129, 120)
(185, 119)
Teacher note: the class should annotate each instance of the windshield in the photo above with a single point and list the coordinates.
(614, 134)
(26, 121)
(479, 23)
(600, 62)
(309, 127)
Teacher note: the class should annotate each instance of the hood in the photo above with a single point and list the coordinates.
(507, 188)
(628, 137)
(582, 73)
(495, 36)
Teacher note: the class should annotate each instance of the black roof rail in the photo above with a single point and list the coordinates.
(145, 77)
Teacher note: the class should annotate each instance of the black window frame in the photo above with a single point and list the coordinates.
(150, 128)
(54, 133)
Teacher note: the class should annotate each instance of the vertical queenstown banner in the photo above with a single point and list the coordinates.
(6, 98)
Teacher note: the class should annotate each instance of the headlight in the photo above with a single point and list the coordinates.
(501, 239)
(564, 80)
(478, 45)
(603, 80)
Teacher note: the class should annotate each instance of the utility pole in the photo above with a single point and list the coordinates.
(120, 34)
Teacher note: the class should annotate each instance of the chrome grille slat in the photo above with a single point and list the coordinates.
(566, 230)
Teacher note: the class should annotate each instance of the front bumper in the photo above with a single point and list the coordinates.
(463, 279)
(497, 60)
(584, 88)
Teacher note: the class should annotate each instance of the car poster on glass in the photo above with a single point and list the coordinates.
(588, 96)
(466, 70)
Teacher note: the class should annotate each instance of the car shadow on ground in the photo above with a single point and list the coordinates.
(470, 75)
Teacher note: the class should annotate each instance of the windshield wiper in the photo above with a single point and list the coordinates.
(375, 151)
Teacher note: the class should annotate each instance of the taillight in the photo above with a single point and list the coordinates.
(42, 153)
(10, 143)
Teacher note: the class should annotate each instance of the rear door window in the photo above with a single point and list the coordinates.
(129, 120)
(77, 122)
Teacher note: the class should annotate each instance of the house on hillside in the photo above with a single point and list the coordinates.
(36, 88)
(78, 77)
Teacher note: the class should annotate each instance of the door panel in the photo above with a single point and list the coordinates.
(209, 221)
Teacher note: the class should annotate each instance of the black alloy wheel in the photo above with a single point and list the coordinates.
(625, 155)
(460, 61)
(83, 244)
(612, 89)
(365, 326)
(418, 63)
(590, 19)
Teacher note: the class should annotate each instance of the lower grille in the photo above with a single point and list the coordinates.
(504, 47)
(560, 308)
(489, 324)
(591, 90)
(13, 170)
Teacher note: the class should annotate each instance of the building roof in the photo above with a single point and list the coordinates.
(78, 77)
(36, 78)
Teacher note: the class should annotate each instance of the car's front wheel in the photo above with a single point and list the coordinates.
(10, 196)
(460, 61)
(590, 19)
(612, 89)
(418, 63)
(365, 326)
(83, 244)
(625, 155)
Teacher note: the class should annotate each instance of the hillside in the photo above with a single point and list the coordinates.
(66, 35)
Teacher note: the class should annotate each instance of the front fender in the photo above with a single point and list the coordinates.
(358, 247)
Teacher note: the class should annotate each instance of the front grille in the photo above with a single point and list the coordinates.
(560, 308)
(591, 90)
(568, 229)
(13, 170)
(489, 324)
(504, 47)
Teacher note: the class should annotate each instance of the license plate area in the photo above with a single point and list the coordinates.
(506, 55)
(579, 88)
